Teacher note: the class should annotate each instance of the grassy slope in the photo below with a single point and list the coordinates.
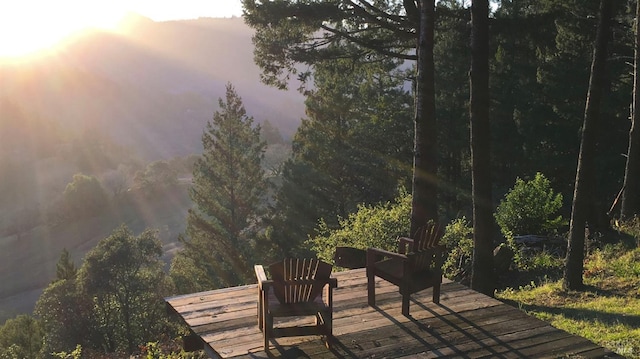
(607, 313)
(28, 264)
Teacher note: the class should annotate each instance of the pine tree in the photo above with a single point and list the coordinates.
(65, 268)
(585, 174)
(482, 274)
(354, 147)
(631, 188)
(228, 188)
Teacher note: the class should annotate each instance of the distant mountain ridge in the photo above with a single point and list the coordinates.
(152, 90)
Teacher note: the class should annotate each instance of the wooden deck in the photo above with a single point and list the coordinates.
(466, 324)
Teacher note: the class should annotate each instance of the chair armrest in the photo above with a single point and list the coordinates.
(329, 281)
(263, 282)
(374, 253)
(333, 282)
(405, 245)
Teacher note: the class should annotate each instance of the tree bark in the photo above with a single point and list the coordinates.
(424, 206)
(585, 174)
(482, 277)
(631, 189)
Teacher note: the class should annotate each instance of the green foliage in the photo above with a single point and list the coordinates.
(530, 207)
(65, 268)
(286, 34)
(21, 337)
(84, 196)
(66, 316)
(270, 134)
(157, 176)
(74, 354)
(228, 189)
(452, 58)
(123, 276)
(458, 239)
(114, 303)
(631, 228)
(156, 350)
(371, 226)
(354, 148)
(614, 261)
(538, 261)
(188, 276)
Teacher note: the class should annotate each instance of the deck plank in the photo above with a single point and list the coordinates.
(464, 324)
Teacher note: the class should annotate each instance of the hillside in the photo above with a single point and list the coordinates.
(107, 104)
(153, 88)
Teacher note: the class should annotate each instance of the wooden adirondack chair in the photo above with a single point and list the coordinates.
(298, 287)
(416, 266)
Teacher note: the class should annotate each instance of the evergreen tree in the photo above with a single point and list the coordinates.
(585, 175)
(354, 147)
(522, 118)
(65, 268)
(228, 189)
(452, 57)
(482, 278)
(290, 32)
(563, 76)
(631, 188)
(424, 188)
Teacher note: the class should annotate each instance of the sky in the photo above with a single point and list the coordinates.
(32, 25)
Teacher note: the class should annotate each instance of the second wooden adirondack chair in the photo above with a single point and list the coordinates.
(298, 287)
(416, 266)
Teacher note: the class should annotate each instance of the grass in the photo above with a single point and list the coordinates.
(607, 312)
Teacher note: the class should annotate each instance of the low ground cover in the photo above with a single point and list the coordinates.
(607, 312)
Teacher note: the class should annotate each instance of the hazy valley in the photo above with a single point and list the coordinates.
(107, 105)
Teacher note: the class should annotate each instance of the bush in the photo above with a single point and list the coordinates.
(530, 207)
(458, 239)
(371, 226)
(84, 197)
(630, 230)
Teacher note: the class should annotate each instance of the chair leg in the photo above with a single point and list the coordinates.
(260, 310)
(436, 293)
(405, 304)
(371, 288)
(267, 330)
(324, 320)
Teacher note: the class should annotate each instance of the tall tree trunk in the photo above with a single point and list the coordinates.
(482, 277)
(585, 174)
(631, 189)
(424, 206)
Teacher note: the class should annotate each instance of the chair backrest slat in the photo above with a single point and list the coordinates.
(293, 279)
(427, 236)
(425, 239)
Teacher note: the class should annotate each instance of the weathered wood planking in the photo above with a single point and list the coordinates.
(465, 324)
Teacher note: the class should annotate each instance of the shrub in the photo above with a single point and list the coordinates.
(530, 207)
(458, 239)
(84, 196)
(631, 230)
(371, 226)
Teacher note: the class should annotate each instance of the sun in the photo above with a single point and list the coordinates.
(30, 26)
